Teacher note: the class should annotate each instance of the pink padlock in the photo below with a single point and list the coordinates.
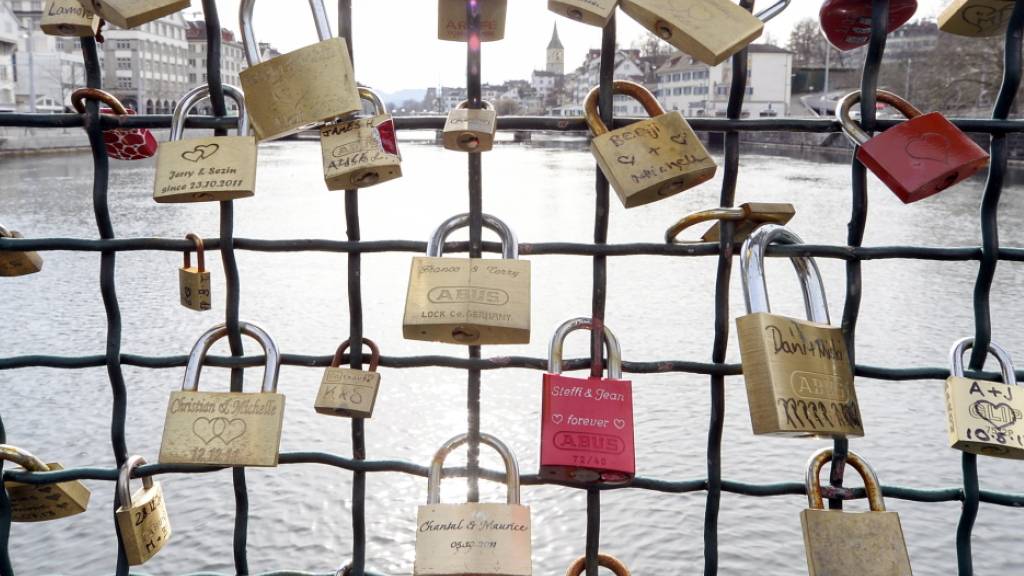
(122, 143)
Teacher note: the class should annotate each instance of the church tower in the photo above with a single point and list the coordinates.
(556, 54)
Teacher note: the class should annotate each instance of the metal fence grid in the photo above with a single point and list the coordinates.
(988, 254)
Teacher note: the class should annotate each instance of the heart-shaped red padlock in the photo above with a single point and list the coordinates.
(122, 143)
(847, 23)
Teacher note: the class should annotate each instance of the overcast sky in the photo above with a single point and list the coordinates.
(396, 43)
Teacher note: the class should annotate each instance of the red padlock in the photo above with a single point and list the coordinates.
(917, 158)
(586, 429)
(847, 23)
(122, 143)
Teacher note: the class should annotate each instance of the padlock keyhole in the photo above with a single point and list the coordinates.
(664, 31)
(464, 334)
(469, 142)
(368, 178)
(575, 14)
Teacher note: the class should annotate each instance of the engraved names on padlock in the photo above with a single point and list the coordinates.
(41, 502)
(198, 169)
(812, 359)
(347, 392)
(222, 427)
(985, 417)
(360, 153)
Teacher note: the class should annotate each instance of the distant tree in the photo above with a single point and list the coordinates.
(411, 105)
(651, 45)
(809, 46)
(507, 107)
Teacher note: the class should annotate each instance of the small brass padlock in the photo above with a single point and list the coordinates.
(38, 502)
(605, 560)
(745, 218)
(985, 418)
(478, 538)
(224, 428)
(650, 159)
(194, 283)
(708, 30)
(917, 158)
(209, 169)
(851, 543)
(362, 152)
(18, 263)
(469, 300)
(348, 392)
(470, 129)
(142, 518)
(976, 17)
(301, 89)
(451, 20)
(798, 374)
(592, 12)
(132, 13)
(68, 18)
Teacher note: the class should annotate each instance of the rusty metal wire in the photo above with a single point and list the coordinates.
(988, 254)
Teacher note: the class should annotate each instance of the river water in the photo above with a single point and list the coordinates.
(660, 308)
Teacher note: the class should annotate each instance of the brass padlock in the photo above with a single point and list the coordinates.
(38, 502)
(476, 537)
(18, 263)
(224, 428)
(451, 20)
(194, 283)
(798, 374)
(362, 152)
(985, 418)
(469, 300)
(606, 560)
(348, 392)
(650, 159)
(976, 17)
(141, 519)
(842, 543)
(132, 13)
(301, 89)
(593, 12)
(470, 129)
(745, 218)
(209, 169)
(68, 18)
(708, 30)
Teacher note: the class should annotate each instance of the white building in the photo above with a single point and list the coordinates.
(49, 68)
(232, 59)
(696, 89)
(9, 32)
(628, 66)
(146, 67)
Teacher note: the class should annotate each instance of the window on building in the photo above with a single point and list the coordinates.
(124, 63)
(192, 78)
(677, 91)
(688, 90)
(124, 45)
(676, 77)
(124, 82)
(750, 90)
(687, 75)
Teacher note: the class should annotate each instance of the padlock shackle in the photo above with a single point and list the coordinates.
(632, 89)
(755, 287)
(484, 105)
(509, 242)
(23, 458)
(124, 489)
(956, 359)
(202, 346)
(721, 214)
(583, 323)
(196, 95)
(852, 129)
(511, 466)
(78, 98)
(867, 473)
(374, 99)
(252, 48)
(374, 354)
(772, 11)
(606, 560)
(200, 252)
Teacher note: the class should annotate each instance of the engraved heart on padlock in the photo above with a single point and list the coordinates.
(999, 415)
(556, 418)
(929, 146)
(678, 139)
(200, 152)
(619, 423)
(234, 430)
(203, 429)
(986, 18)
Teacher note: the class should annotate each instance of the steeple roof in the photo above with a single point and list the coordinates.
(555, 42)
